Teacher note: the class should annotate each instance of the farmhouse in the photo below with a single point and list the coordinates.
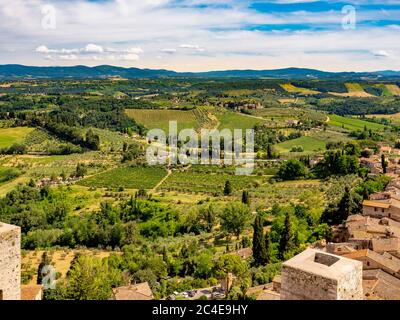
(140, 291)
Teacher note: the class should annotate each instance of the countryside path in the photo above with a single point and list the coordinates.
(162, 181)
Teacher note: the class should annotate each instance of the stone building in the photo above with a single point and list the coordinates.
(317, 275)
(10, 262)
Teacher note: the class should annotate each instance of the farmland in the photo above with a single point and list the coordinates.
(354, 124)
(293, 89)
(126, 177)
(81, 188)
(309, 145)
(354, 90)
(159, 119)
(193, 182)
(9, 136)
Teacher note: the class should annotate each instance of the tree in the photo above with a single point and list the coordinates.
(336, 214)
(268, 248)
(92, 140)
(91, 279)
(259, 250)
(384, 164)
(246, 198)
(81, 170)
(227, 188)
(291, 170)
(286, 242)
(235, 218)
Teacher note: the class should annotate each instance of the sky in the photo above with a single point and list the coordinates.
(202, 35)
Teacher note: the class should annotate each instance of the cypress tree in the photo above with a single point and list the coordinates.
(268, 248)
(384, 163)
(228, 188)
(259, 250)
(286, 241)
(245, 198)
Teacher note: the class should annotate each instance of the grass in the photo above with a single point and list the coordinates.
(231, 120)
(159, 119)
(354, 124)
(310, 145)
(126, 177)
(9, 136)
(293, 89)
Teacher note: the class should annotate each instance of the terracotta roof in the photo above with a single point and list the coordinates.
(32, 292)
(377, 204)
(141, 291)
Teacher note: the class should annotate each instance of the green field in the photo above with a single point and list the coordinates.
(159, 119)
(293, 89)
(353, 124)
(127, 177)
(309, 144)
(9, 136)
(193, 182)
(232, 120)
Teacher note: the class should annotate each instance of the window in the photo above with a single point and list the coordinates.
(383, 210)
(375, 209)
(368, 263)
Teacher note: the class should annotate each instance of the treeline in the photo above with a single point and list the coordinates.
(357, 106)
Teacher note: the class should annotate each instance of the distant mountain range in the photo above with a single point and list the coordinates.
(15, 71)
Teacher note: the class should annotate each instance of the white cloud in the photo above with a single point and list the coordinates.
(122, 30)
(381, 53)
(93, 48)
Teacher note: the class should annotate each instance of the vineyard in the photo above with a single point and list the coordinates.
(213, 184)
(159, 119)
(126, 177)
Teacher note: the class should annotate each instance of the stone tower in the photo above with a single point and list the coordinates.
(317, 275)
(10, 262)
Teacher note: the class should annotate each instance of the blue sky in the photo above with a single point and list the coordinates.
(200, 35)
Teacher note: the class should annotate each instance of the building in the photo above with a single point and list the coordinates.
(10, 262)
(317, 275)
(32, 292)
(140, 291)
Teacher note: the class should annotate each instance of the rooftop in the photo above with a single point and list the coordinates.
(376, 204)
(322, 263)
(141, 291)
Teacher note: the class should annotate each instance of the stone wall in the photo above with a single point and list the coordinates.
(10, 262)
(297, 284)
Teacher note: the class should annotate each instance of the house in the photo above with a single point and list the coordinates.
(141, 291)
(32, 292)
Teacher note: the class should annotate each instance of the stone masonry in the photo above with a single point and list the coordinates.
(10, 262)
(317, 275)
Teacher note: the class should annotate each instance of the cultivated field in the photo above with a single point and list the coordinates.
(293, 89)
(159, 119)
(309, 144)
(9, 136)
(353, 124)
(193, 182)
(354, 90)
(126, 177)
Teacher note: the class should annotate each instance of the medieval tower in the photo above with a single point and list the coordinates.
(10, 262)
